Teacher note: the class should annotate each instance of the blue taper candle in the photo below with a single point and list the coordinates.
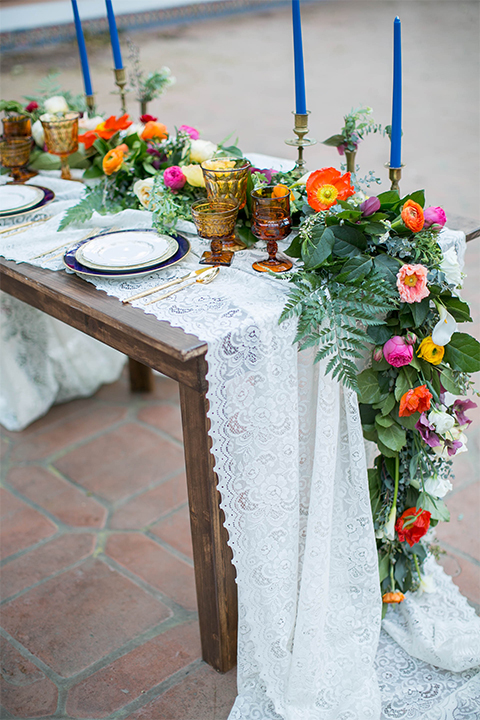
(396, 131)
(300, 100)
(82, 50)
(112, 25)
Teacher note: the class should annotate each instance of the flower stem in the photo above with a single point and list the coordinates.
(397, 479)
(392, 578)
(417, 567)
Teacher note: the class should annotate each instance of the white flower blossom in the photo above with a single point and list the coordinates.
(442, 421)
(38, 133)
(445, 327)
(56, 104)
(143, 190)
(427, 584)
(201, 150)
(87, 123)
(437, 487)
(451, 269)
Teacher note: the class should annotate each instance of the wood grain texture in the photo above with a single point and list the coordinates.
(214, 572)
(141, 377)
(129, 330)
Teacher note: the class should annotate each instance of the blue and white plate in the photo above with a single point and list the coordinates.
(71, 262)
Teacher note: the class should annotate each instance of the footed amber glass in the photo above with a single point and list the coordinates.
(272, 222)
(17, 126)
(61, 138)
(226, 177)
(215, 221)
(15, 153)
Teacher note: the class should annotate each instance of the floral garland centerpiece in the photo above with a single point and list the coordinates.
(372, 274)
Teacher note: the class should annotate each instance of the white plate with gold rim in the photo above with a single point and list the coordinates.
(14, 198)
(126, 250)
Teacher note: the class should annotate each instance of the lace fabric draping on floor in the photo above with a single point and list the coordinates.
(43, 361)
(290, 460)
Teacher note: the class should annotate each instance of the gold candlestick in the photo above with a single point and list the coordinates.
(300, 130)
(90, 101)
(395, 175)
(120, 82)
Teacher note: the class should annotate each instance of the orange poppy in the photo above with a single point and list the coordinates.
(415, 400)
(112, 125)
(326, 186)
(154, 130)
(412, 216)
(88, 138)
(112, 162)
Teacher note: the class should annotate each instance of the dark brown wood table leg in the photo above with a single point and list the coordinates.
(141, 376)
(214, 572)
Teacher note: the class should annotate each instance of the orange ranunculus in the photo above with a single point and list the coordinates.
(112, 125)
(154, 130)
(88, 138)
(412, 525)
(415, 400)
(393, 597)
(112, 162)
(326, 186)
(412, 216)
(123, 147)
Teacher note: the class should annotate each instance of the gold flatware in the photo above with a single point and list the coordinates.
(90, 233)
(203, 279)
(15, 228)
(190, 275)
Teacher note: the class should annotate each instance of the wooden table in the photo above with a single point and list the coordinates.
(150, 343)
(162, 347)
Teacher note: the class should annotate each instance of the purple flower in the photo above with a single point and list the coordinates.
(452, 446)
(459, 407)
(156, 164)
(154, 151)
(426, 430)
(194, 134)
(434, 217)
(268, 172)
(369, 206)
(174, 178)
(397, 352)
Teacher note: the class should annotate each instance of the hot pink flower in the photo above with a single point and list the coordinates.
(434, 217)
(174, 178)
(397, 352)
(412, 283)
(194, 134)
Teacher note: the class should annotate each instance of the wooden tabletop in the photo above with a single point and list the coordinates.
(125, 328)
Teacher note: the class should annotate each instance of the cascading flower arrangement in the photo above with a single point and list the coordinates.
(373, 274)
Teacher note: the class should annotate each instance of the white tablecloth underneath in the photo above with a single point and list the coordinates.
(290, 459)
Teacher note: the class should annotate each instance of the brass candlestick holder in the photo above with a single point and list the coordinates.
(90, 102)
(301, 130)
(395, 175)
(120, 82)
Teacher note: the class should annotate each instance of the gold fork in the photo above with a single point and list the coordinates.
(91, 233)
(21, 227)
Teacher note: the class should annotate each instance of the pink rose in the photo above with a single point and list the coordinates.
(397, 352)
(434, 217)
(174, 178)
(378, 353)
(412, 283)
(194, 134)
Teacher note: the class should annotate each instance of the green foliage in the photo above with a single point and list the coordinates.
(357, 124)
(83, 211)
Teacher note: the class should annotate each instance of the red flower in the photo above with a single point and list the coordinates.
(31, 106)
(88, 138)
(112, 125)
(415, 400)
(326, 186)
(412, 525)
(147, 118)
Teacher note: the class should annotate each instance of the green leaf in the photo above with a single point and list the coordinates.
(383, 566)
(456, 307)
(388, 267)
(295, 248)
(367, 414)
(384, 422)
(356, 268)
(246, 235)
(368, 389)
(449, 382)
(334, 141)
(389, 404)
(394, 437)
(379, 334)
(349, 241)
(385, 450)
(435, 506)
(403, 383)
(418, 196)
(463, 353)
(92, 172)
(390, 197)
(420, 311)
(409, 421)
(314, 257)
(375, 228)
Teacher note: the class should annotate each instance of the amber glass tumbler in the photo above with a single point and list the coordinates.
(15, 153)
(215, 221)
(17, 125)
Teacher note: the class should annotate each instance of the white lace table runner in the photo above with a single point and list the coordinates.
(290, 460)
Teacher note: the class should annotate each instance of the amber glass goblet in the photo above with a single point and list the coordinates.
(271, 222)
(226, 177)
(61, 138)
(17, 125)
(215, 221)
(15, 153)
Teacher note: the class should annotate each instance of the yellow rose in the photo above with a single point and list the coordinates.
(201, 150)
(194, 175)
(430, 352)
(142, 190)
